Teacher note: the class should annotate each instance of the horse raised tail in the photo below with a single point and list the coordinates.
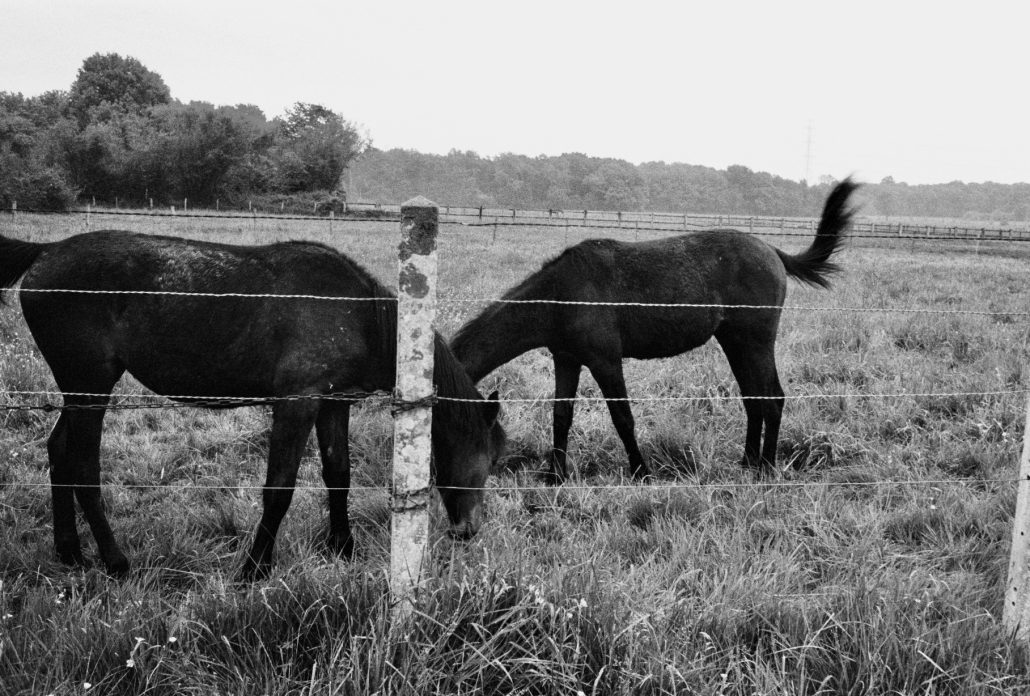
(16, 257)
(813, 265)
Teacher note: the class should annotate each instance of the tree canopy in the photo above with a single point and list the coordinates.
(117, 133)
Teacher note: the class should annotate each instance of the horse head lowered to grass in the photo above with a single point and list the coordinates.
(740, 280)
(144, 304)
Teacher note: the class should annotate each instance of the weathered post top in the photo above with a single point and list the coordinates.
(419, 224)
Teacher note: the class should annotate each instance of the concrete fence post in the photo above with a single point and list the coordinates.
(412, 424)
(1016, 612)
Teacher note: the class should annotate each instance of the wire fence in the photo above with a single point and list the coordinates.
(48, 401)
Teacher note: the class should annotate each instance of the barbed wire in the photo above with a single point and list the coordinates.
(192, 293)
(192, 401)
(397, 404)
(503, 300)
(566, 486)
(699, 305)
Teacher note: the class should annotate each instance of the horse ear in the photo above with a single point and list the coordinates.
(493, 408)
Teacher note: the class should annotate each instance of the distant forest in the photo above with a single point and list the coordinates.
(117, 136)
(576, 181)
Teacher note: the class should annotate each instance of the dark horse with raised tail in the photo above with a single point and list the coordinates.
(726, 269)
(251, 348)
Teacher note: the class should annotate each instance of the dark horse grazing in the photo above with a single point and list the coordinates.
(715, 267)
(236, 347)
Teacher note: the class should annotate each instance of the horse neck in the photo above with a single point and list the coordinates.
(501, 333)
(452, 382)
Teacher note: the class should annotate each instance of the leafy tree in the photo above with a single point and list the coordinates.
(314, 147)
(27, 170)
(190, 149)
(108, 84)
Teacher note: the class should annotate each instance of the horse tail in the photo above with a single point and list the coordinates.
(813, 265)
(16, 257)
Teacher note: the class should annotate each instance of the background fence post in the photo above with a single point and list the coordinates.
(1016, 613)
(416, 310)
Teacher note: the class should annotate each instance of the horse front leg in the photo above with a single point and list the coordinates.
(331, 428)
(608, 375)
(566, 381)
(291, 425)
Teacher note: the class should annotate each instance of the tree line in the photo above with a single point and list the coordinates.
(118, 135)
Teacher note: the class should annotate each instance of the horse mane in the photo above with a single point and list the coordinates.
(453, 381)
(587, 259)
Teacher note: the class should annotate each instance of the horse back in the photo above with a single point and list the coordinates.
(143, 306)
(716, 271)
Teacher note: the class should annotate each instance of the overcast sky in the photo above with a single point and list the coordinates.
(925, 92)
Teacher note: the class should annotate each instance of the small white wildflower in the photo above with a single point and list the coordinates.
(173, 639)
(130, 663)
(87, 686)
(582, 603)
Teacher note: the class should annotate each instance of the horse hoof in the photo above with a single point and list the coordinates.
(641, 473)
(342, 546)
(553, 478)
(253, 571)
(72, 557)
(117, 567)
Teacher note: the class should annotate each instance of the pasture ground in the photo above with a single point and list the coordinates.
(873, 564)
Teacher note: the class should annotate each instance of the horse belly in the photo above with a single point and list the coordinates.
(198, 348)
(655, 334)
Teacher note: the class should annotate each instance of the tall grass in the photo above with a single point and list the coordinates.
(873, 563)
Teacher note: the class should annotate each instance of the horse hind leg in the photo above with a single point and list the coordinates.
(772, 414)
(62, 491)
(331, 428)
(753, 363)
(74, 448)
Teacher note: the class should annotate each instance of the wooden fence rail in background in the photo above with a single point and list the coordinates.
(657, 221)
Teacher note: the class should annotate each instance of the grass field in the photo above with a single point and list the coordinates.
(873, 564)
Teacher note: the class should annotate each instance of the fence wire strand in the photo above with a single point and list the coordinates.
(504, 300)
(521, 488)
(187, 401)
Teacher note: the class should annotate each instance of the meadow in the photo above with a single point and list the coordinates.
(873, 563)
